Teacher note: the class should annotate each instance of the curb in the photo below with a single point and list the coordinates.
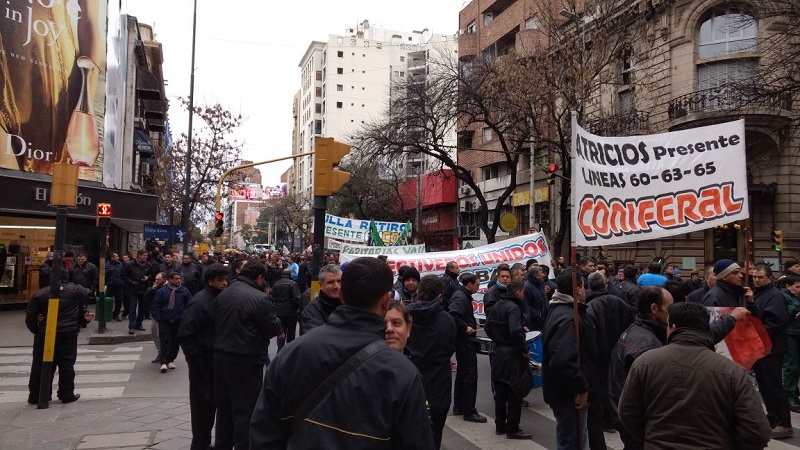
(110, 339)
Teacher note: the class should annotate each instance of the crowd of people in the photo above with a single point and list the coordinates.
(641, 361)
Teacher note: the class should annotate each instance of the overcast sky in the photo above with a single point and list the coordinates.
(248, 53)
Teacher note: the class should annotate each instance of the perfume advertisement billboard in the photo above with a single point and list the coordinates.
(52, 79)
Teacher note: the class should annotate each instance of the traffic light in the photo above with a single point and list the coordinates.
(220, 225)
(327, 154)
(551, 174)
(777, 240)
(104, 215)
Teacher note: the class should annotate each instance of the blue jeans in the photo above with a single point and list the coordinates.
(567, 426)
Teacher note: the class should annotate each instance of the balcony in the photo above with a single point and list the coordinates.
(628, 124)
(468, 44)
(728, 99)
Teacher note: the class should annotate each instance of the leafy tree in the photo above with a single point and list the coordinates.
(213, 152)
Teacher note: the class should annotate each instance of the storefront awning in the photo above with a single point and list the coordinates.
(153, 110)
(147, 85)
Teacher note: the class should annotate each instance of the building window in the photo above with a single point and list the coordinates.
(340, 70)
(402, 59)
(489, 172)
(532, 23)
(471, 27)
(318, 108)
(626, 102)
(727, 31)
(319, 75)
(339, 87)
(318, 91)
(339, 105)
(488, 18)
(487, 134)
(722, 73)
(628, 68)
(318, 127)
(340, 54)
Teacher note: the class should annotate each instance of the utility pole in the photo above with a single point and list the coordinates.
(188, 185)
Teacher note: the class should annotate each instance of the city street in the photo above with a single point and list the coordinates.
(127, 404)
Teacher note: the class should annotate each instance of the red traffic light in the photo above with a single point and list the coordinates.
(218, 216)
(553, 168)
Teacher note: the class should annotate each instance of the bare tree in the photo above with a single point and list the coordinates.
(292, 212)
(213, 151)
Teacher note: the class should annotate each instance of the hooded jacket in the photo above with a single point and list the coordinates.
(562, 376)
(793, 305)
(430, 346)
(610, 316)
(685, 396)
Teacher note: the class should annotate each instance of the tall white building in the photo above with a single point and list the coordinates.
(346, 80)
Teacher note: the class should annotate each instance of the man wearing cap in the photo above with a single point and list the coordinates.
(728, 292)
(408, 292)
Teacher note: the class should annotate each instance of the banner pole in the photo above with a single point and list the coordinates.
(576, 323)
(748, 248)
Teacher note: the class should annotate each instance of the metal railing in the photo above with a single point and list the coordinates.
(725, 98)
(631, 123)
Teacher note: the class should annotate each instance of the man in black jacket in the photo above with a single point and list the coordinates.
(244, 322)
(535, 306)
(610, 316)
(191, 274)
(84, 273)
(505, 327)
(774, 313)
(728, 290)
(71, 314)
(44, 271)
(380, 404)
(316, 313)
(285, 296)
(466, 384)
(450, 279)
(430, 347)
(196, 336)
(138, 276)
(569, 370)
(627, 289)
(709, 281)
(502, 278)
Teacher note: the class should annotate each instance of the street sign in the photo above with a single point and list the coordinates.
(161, 232)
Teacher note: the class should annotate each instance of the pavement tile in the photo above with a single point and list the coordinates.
(177, 443)
(139, 439)
(170, 433)
(152, 418)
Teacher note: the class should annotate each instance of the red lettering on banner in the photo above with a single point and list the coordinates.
(601, 217)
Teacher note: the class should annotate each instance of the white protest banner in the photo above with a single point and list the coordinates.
(482, 261)
(334, 245)
(635, 188)
(356, 230)
(364, 250)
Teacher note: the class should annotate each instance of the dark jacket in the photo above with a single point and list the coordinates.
(114, 273)
(535, 308)
(724, 294)
(643, 335)
(562, 376)
(44, 273)
(451, 285)
(463, 313)
(774, 314)
(430, 347)
(673, 389)
(317, 312)
(133, 274)
(697, 295)
(191, 277)
(404, 296)
(285, 295)
(71, 309)
(492, 296)
(629, 291)
(174, 267)
(504, 326)
(610, 316)
(196, 333)
(379, 405)
(85, 275)
(161, 309)
(244, 322)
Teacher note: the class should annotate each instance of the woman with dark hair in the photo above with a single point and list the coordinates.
(430, 348)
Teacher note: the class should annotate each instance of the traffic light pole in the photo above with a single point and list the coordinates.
(320, 205)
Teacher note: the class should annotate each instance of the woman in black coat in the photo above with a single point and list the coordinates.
(430, 347)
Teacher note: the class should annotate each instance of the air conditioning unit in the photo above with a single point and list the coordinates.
(466, 190)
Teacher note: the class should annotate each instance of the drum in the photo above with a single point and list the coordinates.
(534, 340)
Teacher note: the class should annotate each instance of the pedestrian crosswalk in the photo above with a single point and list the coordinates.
(99, 372)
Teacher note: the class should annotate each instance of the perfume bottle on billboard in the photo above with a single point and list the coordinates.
(83, 141)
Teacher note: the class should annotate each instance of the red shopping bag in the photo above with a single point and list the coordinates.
(748, 342)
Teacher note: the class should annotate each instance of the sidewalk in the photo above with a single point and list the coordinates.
(13, 332)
